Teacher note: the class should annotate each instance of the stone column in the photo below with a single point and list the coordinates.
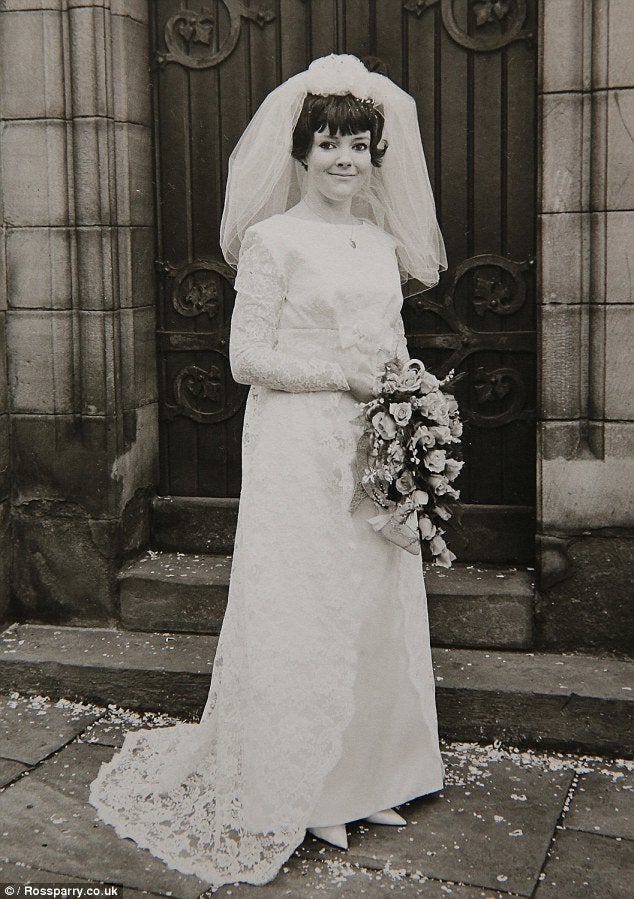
(77, 244)
(5, 469)
(586, 508)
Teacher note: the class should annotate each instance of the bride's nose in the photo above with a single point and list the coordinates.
(343, 158)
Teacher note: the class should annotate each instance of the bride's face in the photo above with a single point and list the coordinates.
(337, 164)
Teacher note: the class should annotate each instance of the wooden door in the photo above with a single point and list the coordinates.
(471, 66)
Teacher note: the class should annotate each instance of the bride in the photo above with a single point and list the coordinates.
(321, 709)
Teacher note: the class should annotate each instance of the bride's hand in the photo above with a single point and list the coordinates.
(362, 378)
(361, 387)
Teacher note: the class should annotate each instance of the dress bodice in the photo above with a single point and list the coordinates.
(305, 295)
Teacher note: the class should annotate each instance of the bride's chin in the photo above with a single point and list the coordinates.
(343, 191)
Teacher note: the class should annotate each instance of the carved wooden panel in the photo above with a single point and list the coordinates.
(471, 65)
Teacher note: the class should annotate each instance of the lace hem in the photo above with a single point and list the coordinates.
(256, 860)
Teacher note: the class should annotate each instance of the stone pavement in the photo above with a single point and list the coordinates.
(508, 822)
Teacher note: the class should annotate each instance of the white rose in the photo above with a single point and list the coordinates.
(428, 382)
(443, 513)
(410, 380)
(402, 412)
(420, 497)
(441, 416)
(455, 426)
(435, 460)
(452, 468)
(439, 484)
(384, 424)
(444, 559)
(423, 437)
(437, 544)
(426, 528)
(433, 406)
(441, 433)
(396, 452)
(406, 483)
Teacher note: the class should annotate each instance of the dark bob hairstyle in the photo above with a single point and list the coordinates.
(343, 114)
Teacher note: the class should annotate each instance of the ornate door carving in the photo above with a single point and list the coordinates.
(471, 66)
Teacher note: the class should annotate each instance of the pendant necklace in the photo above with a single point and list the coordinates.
(352, 242)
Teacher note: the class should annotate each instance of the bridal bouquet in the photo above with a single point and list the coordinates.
(406, 457)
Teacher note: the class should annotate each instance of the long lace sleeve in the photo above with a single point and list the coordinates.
(402, 352)
(254, 359)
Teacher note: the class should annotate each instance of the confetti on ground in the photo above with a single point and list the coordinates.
(110, 714)
(467, 764)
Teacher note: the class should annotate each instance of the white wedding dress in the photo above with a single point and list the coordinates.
(322, 705)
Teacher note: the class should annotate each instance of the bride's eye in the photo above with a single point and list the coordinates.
(326, 144)
(362, 146)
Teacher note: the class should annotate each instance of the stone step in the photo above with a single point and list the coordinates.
(194, 524)
(174, 591)
(481, 607)
(564, 701)
(134, 670)
(199, 524)
(187, 593)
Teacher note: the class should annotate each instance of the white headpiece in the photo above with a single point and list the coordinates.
(264, 179)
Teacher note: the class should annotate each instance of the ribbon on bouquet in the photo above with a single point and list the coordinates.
(397, 526)
(404, 533)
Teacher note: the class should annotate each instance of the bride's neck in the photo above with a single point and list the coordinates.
(336, 211)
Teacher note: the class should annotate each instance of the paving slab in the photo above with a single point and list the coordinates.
(490, 826)
(19, 873)
(32, 729)
(116, 723)
(49, 814)
(311, 877)
(603, 802)
(9, 770)
(73, 769)
(484, 836)
(588, 865)
(48, 822)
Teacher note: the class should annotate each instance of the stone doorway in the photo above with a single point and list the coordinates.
(472, 72)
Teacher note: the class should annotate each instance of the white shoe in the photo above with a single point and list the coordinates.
(387, 816)
(335, 834)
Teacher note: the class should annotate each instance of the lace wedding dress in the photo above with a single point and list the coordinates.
(322, 706)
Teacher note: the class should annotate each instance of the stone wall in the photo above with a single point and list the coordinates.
(77, 249)
(5, 465)
(586, 506)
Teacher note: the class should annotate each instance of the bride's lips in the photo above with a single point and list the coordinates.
(339, 175)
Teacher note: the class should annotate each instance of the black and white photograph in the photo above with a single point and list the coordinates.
(317, 449)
